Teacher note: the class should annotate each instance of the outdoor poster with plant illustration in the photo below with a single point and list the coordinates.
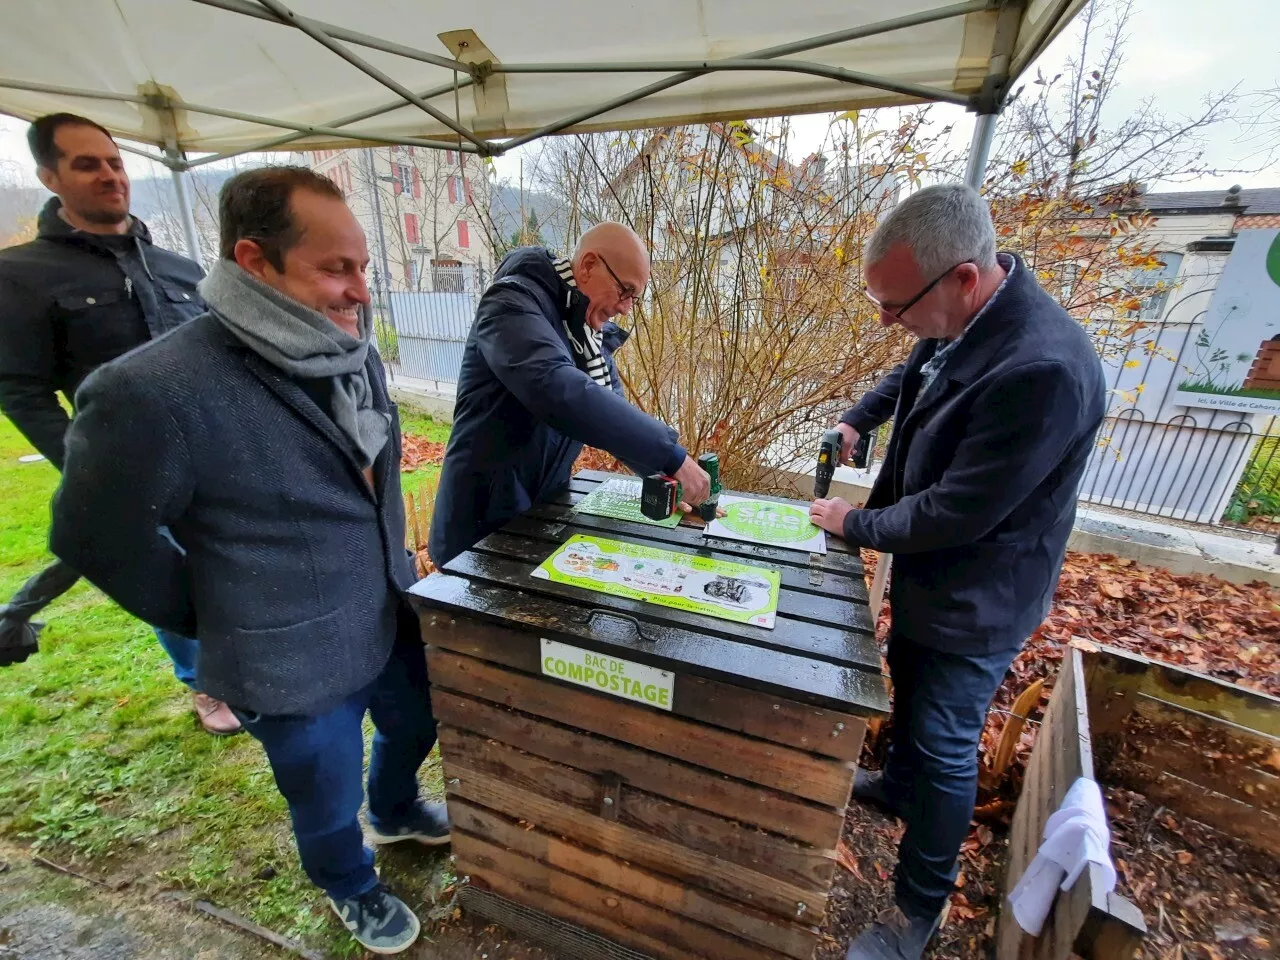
(1234, 361)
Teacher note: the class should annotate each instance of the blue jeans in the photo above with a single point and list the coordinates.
(940, 703)
(184, 652)
(317, 762)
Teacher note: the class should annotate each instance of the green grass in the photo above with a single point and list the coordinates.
(421, 425)
(1204, 386)
(102, 762)
(1258, 492)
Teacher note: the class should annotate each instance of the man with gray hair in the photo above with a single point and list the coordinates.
(538, 381)
(995, 413)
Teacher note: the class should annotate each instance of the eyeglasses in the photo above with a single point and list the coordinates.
(896, 311)
(625, 292)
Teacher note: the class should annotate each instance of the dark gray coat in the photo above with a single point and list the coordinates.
(977, 494)
(289, 568)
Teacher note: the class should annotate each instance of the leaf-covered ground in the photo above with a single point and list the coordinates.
(1227, 630)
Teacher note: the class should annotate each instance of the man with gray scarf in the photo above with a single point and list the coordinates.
(238, 481)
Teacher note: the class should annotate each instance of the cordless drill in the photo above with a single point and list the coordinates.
(829, 459)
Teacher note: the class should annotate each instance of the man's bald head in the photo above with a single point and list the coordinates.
(611, 266)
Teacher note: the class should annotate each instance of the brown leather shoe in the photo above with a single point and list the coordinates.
(215, 716)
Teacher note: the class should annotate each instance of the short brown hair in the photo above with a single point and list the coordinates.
(41, 133)
(254, 205)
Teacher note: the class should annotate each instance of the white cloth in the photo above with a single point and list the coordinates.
(1074, 837)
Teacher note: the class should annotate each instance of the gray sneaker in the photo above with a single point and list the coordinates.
(379, 920)
(428, 824)
(894, 936)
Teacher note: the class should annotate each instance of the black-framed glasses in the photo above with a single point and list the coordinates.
(625, 292)
(895, 311)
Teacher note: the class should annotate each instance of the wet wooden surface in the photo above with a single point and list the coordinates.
(821, 650)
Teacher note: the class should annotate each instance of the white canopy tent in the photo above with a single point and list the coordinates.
(223, 77)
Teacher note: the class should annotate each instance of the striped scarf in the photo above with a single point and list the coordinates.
(588, 345)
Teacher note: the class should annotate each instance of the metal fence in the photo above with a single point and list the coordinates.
(424, 331)
(1169, 460)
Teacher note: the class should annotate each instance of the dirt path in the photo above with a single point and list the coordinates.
(46, 915)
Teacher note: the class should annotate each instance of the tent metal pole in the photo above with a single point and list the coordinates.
(376, 185)
(984, 131)
(769, 53)
(304, 128)
(786, 66)
(344, 121)
(56, 90)
(185, 210)
(312, 30)
(348, 36)
(153, 157)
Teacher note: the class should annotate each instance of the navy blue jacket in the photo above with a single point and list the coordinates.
(69, 302)
(977, 494)
(290, 568)
(525, 409)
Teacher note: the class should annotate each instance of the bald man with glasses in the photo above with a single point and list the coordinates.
(538, 381)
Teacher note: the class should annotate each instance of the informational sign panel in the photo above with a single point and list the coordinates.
(717, 588)
(768, 523)
(1233, 361)
(606, 674)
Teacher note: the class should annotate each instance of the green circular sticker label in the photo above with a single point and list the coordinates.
(770, 522)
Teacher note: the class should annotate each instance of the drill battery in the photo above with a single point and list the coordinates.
(659, 496)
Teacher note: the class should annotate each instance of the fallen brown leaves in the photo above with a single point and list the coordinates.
(1227, 630)
(417, 451)
(592, 459)
(1199, 622)
(1202, 894)
(1230, 631)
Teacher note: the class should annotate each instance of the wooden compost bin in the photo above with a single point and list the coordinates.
(1195, 744)
(602, 827)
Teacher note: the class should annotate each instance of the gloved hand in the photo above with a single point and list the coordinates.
(17, 640)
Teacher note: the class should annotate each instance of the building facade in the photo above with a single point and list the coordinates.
(434, 230)
(1160, 455)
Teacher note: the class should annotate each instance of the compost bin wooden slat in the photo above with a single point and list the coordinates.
(768, 717)
(645, 770)
(653, 888)
(820, 779)
(1084, 919)
(730, 861)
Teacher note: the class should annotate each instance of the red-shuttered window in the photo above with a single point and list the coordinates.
(417, 183)
(411, 227)
(464, 235)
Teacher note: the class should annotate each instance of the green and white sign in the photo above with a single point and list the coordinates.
(619, 498)
(597, 671)
(768, 523)
(717, 588)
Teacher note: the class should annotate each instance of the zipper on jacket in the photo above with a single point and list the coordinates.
(128, 288)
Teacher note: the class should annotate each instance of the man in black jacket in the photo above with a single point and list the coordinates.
(239, 481)
(90, 288)
(995, 413)
(538, 381)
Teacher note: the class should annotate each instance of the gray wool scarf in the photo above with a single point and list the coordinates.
(304, 344)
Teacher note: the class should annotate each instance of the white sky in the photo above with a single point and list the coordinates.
(1179, 51)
